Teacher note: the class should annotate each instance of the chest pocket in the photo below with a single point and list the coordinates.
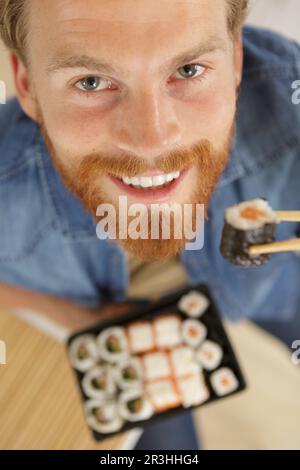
(24, 211)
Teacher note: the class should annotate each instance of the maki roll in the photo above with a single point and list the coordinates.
(129, 374)
(209, 355)
(193, 332)
(83, 352)
(194, 304)
(98, 382)
(224, 381)
(183, 362)
(167, 331)
(102, 416)
(193, 390)
(134, 405)
(249, 223)
(112, 345)
(140, 337)
(163, 395)
(156, 365)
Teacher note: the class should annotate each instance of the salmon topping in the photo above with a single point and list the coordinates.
(252, 213)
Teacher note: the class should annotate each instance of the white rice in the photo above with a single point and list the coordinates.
(110, 356)
(193, 332)
(234, 218)
(193, 390)
(93, 392)
(135, 394)
(184, 362)
(141, 337)
(109, 408)
(223, 381)
(90, 344)
(163, 394)
(194, 304)
(167, 331)
(210, 355)
(125, 383)
(156, 365)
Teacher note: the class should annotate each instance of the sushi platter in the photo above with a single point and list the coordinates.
(160, 360)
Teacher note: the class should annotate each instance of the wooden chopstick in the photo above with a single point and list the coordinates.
(288, 216)
(276, 247)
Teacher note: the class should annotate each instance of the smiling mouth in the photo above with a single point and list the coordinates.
(154, 186)
(158, 181)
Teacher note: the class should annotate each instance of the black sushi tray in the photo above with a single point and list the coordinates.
(168, 305)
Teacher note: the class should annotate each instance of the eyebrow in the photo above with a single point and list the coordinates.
(65, 61)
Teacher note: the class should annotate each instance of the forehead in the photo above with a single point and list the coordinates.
(120, 27)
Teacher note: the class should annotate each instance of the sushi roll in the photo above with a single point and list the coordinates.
(194, 304)
(184, 362)
(112, 345)
(209, 355)
(249, 223)
(156, 365)
(224, 381)
(102, 416)
(133, 405)
(83, 352)
(98, 382)
(167, 331)
(163, 395)
(129, 374)
(193, 332)
(140, 337)
(193, 390)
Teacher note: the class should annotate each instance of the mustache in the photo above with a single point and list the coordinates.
(127, 164)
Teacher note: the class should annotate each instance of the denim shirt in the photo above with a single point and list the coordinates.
(48, 241)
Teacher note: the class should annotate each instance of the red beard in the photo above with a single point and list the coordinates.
(83, 182)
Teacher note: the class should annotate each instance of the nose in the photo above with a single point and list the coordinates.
(146, 125)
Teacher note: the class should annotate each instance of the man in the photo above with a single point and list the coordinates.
(159, 101)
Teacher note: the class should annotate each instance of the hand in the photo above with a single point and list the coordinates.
(65, 313)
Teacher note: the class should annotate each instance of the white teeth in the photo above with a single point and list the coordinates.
(134, 181)
(151, 181)
(158, 180)
(126, 180)
(146, 181)
(170, 177)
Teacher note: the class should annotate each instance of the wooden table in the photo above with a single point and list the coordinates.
(40, 406)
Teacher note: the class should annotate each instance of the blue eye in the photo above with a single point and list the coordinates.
(189, 71)
(93, 84)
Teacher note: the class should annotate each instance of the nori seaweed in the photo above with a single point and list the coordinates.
(235, 244)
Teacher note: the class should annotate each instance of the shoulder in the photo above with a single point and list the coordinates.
(24, 204)
(17, 135)
(268, 121)
(267, 52)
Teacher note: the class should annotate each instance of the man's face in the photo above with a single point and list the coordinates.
(127, 88)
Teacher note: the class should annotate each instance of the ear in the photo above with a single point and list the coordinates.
(238, 59)
(23, 86)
